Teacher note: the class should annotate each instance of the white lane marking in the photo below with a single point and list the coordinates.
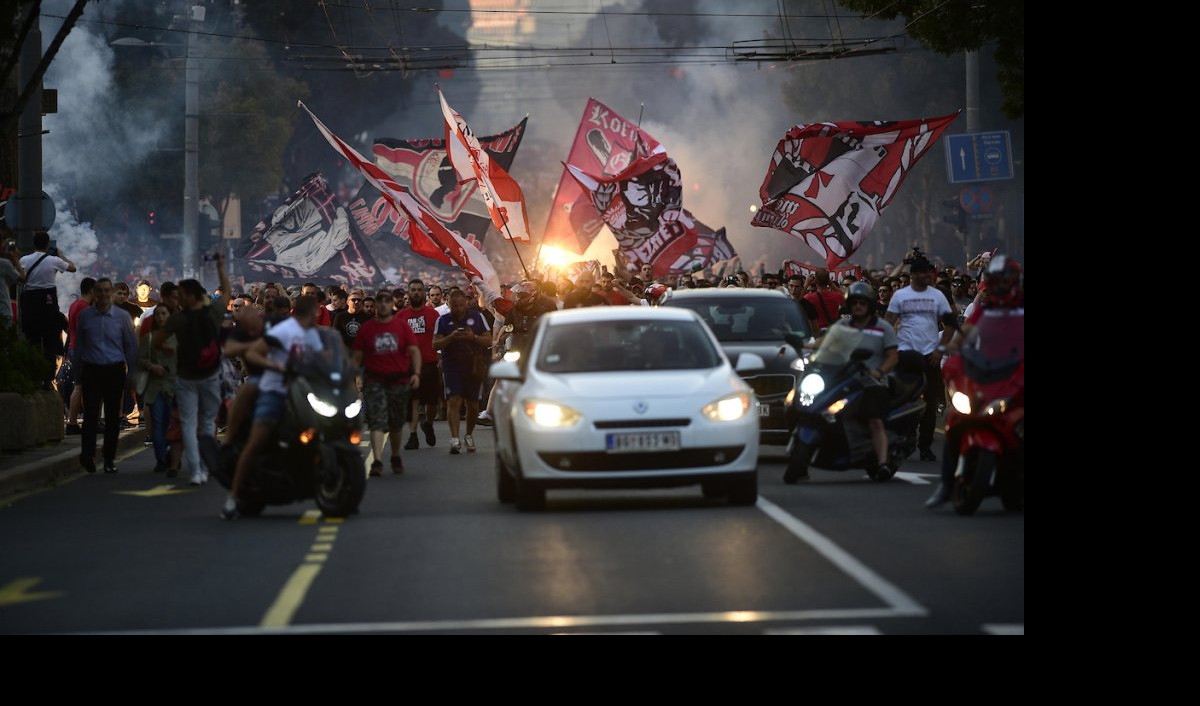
(1004, 628)
(827, 630)
(916, 478)
(559, 622)
(898, 600)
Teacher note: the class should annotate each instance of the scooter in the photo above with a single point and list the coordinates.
(828, 432)
(985, 425)
(315, 452)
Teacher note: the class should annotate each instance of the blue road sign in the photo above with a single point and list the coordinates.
(980, 156)
(976, 198)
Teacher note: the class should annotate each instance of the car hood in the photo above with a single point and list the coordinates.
(649, 383)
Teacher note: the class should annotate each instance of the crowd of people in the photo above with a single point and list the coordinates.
(188, 363)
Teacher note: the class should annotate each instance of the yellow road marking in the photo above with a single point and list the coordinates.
(321, 547)
(156, 491)
(334, 520)
(316, 557)
(18, 592)
(310, 517)
(288, 602)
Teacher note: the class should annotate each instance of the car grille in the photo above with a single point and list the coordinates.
(638, 423)
(601, 461)
(767, 385)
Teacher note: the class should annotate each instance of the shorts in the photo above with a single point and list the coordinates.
(430, 391)
(874, 402)
(460, 383)
(386, 404)
(269, 407)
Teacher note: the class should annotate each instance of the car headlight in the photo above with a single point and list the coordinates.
(354, 408)
(321, 407)
(728, 409)
(812, 385)
(550, 414)
(961, 402)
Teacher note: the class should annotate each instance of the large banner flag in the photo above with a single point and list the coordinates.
(309, 237)
(605, 144)
(428, 237)
(711, 247)
(836, 274)
(643, 207)
(500, 192)
(828, 182)
(422, 168)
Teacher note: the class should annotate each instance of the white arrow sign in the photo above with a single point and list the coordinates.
(916, 478)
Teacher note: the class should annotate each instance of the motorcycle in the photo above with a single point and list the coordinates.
(827, 430)
(985, 425)
(315, 450)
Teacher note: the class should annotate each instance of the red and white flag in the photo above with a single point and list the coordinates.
(836, 274)
(828, 182)
(427, 235)
(500, 192)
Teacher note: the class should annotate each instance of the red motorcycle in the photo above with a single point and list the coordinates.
(985, 425)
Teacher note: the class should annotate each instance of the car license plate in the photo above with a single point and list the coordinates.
(642, 442)
(764, 410)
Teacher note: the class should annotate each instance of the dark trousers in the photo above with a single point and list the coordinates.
(935, 394)
(102, 384)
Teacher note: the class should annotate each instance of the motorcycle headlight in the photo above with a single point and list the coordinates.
(550, 414)
(354, 408)
(961, 402)
(997, 407)
(728, 409)
(799, 364)
(812, 385)
(321, 407)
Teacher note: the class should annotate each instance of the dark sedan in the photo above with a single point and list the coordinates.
(754, 321)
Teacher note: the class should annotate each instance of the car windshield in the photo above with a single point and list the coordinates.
(749, 319)
(602, 346)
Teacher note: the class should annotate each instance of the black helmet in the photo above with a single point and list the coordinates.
(860, 290)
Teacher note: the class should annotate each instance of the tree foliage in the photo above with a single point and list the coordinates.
(954, 26)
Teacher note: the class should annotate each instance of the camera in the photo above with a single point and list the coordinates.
(53, 251)
(916, 255)
(733, 279)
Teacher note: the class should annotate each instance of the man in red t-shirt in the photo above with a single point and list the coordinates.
(826, 300)
(75, 406)
(312, 290)
(391, 360)
(422, 319)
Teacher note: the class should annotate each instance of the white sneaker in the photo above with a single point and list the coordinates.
(197, 478)
(455, 448)
(469, 442)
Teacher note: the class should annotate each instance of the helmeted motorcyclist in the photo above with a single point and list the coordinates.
(1003, 288)
(880, 338)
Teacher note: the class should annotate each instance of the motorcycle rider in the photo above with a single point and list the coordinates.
(1003, 289)
(880, 338)
(271, 353)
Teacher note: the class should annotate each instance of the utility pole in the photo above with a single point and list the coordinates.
(29, 140)
(972, 66)
(191, 145)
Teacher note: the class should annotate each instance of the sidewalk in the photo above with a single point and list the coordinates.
(51, 464)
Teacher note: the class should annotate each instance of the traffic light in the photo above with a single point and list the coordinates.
(954, 214)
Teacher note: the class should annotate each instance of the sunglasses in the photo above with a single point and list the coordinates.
(355, 300)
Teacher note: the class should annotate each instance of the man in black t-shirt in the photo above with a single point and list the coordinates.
(348, 320)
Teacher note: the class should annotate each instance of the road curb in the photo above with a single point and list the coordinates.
(53, 468)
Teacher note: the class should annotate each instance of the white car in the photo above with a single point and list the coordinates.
(624, 397)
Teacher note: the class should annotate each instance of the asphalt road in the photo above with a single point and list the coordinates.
(433, 552)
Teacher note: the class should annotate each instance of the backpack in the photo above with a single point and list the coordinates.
(205, 333)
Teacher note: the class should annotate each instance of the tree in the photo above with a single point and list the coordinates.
(954, 26)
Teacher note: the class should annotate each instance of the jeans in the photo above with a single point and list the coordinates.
(160, 410)
(199, 401)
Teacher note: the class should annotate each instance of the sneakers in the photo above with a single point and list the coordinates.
(229, 510)
(430, 437)
(376, 469)
(74, 430)
(927, 455)
(455, 448)
(484, 419)
(940, 497)
(469, 442)
(412, 442)
(198, 478)
(110, 467)
(397, 465)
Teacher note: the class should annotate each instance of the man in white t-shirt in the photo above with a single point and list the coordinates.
(915, 311)
(41, 319)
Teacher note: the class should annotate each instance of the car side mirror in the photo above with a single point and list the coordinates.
(749, 363)
(505, 370)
